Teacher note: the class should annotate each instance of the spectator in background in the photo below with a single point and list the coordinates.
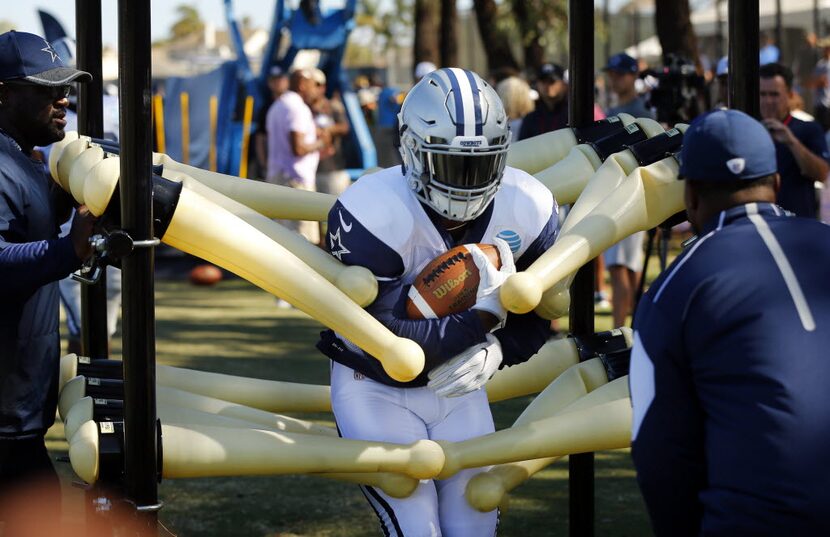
(821, 81)
(294, 143)
(277, 85)
(800, 147)
(367, 98)
(797, 107)
(722, 80)
(623, 72)
(330, 116)
(625, 259)
(422, 70)
(515, 94)
(769, 53)
(551, 111)
(389, 104)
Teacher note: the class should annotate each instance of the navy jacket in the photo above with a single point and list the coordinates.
(729, 381)
(32, 260)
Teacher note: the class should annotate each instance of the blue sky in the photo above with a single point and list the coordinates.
(23, 13)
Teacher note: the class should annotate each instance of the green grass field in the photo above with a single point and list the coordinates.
(235, 328)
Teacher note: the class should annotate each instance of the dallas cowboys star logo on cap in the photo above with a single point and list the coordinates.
(49, 50)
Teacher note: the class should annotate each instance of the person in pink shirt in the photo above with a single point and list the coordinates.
(294, 143)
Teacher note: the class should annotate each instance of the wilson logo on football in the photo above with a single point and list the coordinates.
(449, 285)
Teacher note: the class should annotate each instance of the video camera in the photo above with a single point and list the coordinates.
(678, 92)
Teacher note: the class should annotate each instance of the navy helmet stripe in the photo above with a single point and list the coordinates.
(459, 103)
(477, 102)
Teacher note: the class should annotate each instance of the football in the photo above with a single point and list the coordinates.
(205, 275)
(448, 284)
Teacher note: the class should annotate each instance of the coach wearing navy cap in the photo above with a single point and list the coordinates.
(34, 84)
(729, 369)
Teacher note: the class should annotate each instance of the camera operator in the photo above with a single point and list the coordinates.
(680, 92)
(800, 147)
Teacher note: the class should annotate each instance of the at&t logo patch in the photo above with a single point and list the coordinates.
(511, 238)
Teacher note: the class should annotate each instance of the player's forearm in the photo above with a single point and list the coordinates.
(522, 337)
(441, 339)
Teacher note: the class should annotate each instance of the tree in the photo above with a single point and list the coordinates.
(449, 33)
(674, 29)
(426, 46)
(189, 22)
(389, 25)
(539, 26)
(538, 22)
(494, 36)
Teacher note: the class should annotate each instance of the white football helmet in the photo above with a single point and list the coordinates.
(454, 140)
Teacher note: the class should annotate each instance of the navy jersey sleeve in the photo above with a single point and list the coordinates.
(667, 435)
(26, 266)
(441, 338)
(523, 335)
(814, 140)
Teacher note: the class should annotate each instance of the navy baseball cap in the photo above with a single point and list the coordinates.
(550, 72)
(622, 63)
(725, 145)
(25, 56)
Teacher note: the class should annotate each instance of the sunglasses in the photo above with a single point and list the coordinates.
(55, 93)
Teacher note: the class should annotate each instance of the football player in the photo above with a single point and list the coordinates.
(453, 188)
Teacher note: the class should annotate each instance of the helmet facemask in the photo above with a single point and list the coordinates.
(458, 182)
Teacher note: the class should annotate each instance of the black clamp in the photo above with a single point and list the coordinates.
(598, 130)
(108, 248)
(111, 443)
(658, 147)
(101, 368)
(593, 345)
(616, 363)
(618, 141)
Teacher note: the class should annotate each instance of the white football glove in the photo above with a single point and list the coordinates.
(491, 278)
(468, 371)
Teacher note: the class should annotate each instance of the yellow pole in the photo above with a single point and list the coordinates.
(214, 111)
(158, 111)
(246, 136)
(185, 100)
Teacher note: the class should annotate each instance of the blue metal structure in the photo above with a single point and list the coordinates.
(326, 32)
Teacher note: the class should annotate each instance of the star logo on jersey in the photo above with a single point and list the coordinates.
(346, 228)
(336, 245)
(49, 50)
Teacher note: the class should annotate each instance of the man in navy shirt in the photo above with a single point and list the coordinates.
(33, 90)
(729, 369)
(551, 111)
(800, 146)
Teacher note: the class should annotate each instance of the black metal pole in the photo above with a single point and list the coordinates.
(580, 113)
(94, 332)
(141, 469)
(744, 93)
